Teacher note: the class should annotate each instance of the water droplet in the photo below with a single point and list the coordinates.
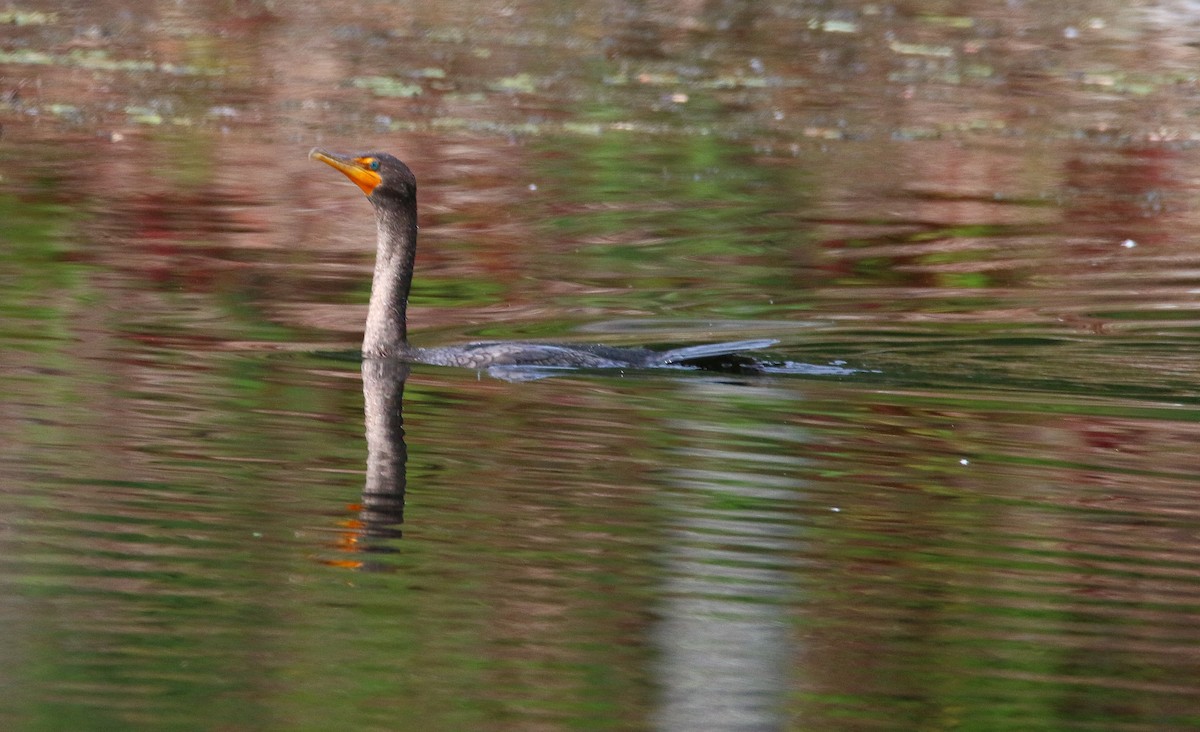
(1129, 243)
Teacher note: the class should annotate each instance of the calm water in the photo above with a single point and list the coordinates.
(966, 497)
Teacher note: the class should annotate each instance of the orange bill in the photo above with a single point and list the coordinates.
(357, 169)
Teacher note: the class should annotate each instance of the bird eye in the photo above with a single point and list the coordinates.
(374, 164)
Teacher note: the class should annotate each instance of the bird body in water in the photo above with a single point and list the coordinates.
(392, 190)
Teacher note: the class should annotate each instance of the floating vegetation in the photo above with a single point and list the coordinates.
(949, 21)
(467, 98)
(950, 129)
(530, 129)
(729, 81)
(1119, 82)
(534, 129)
(521, 83)
(26, 57)
(96, 60)
(150, 116)
(12, 16)
(834, 26)
(101, 61)
(921, 49)
(385, 86)
(583, 128)
(737, 82)
(144, 115)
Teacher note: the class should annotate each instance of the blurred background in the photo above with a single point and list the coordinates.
(966, 497)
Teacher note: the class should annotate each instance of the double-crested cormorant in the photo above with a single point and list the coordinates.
(392, 189)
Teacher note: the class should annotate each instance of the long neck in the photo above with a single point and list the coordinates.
(386, 332)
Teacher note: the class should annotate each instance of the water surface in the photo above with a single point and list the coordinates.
(964, 497)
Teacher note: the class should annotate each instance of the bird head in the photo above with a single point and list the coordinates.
(379, 175)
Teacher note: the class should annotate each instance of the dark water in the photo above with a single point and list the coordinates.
(966, 497)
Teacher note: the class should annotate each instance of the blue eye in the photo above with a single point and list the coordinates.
(374, 164)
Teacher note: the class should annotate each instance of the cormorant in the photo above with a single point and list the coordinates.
(392, 190)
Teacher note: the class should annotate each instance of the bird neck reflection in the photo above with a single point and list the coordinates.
(382, 509)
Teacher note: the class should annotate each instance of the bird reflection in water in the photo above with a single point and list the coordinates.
(381, 511)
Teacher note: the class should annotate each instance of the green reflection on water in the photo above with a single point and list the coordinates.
(41, 291)
(687, 225)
